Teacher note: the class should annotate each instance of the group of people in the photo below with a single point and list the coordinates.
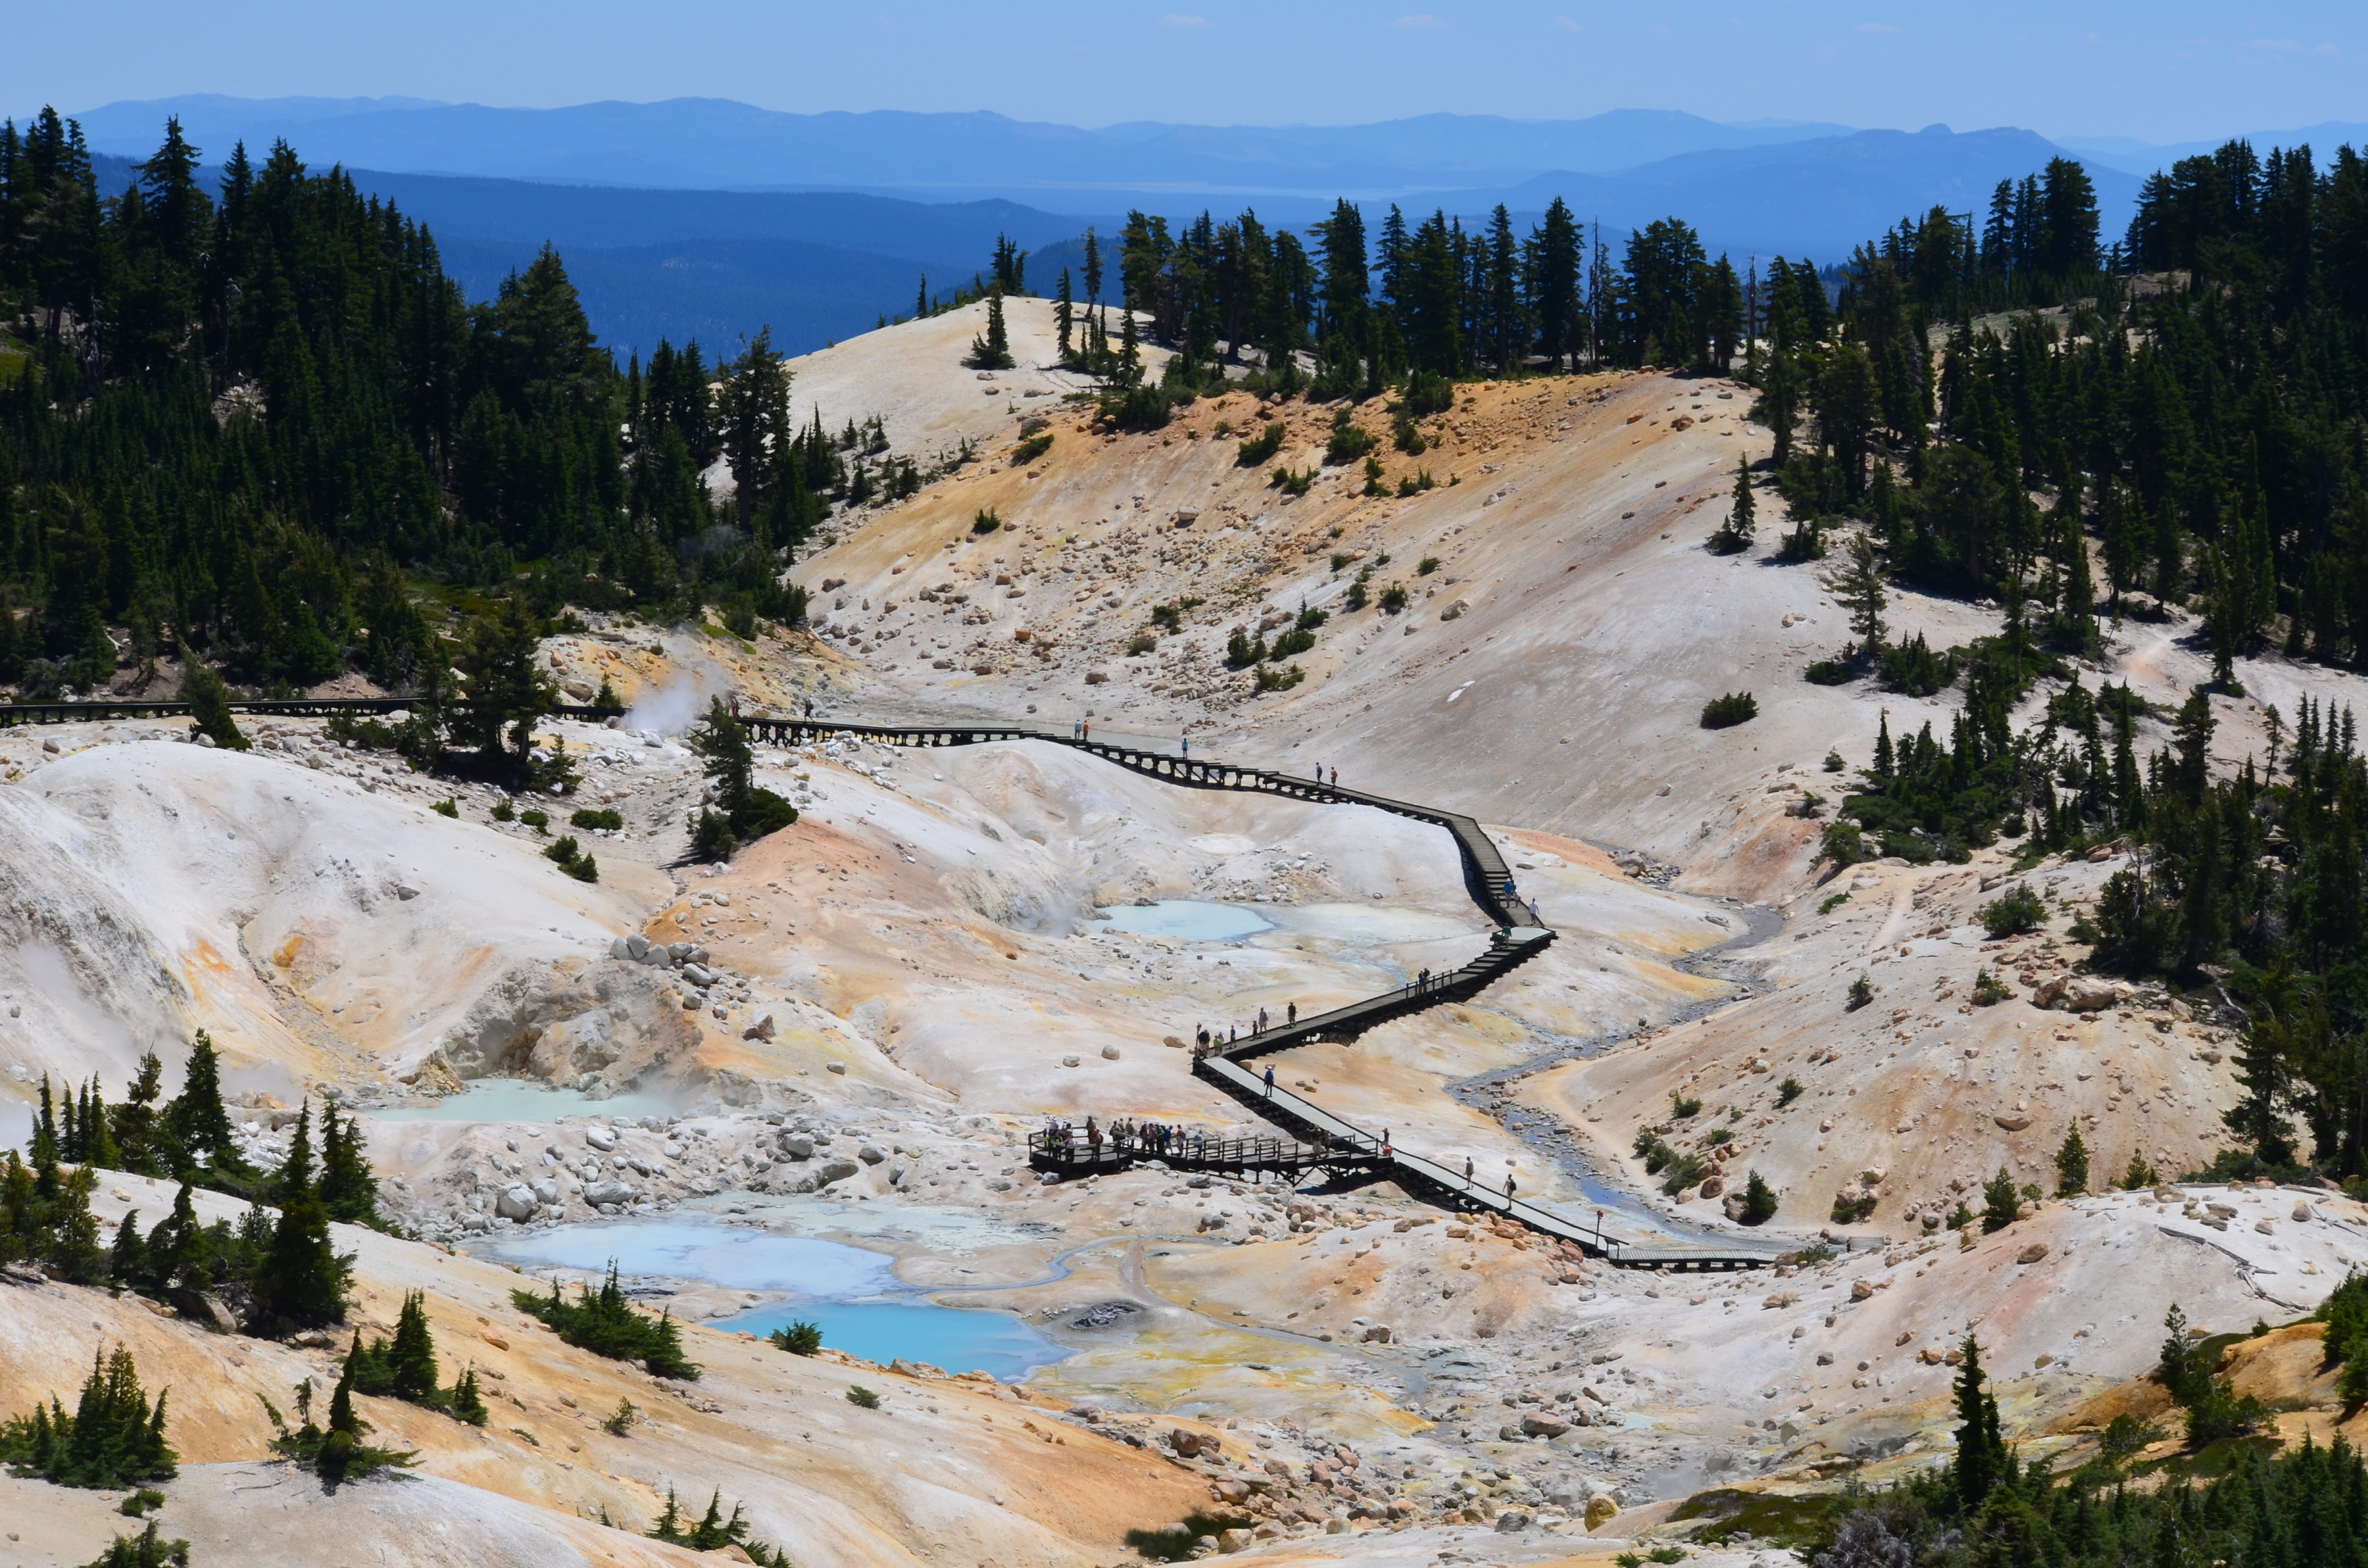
(1151, 1138)
(1205, 1039)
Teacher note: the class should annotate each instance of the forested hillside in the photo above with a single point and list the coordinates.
(254, 424)
(2016, 412)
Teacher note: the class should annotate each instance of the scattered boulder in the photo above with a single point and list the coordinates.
(2012, 1121)
(1513, 1520)
(1379, 1334)
(1601, 1509)
(871, 1154)
(1860, 1291)
(1539, 1425)
(517, 1201)
(600, 1194)
(796, 1145)
(601, 1138)
(835, 1170)
(2033, 1253)
(763, 1028)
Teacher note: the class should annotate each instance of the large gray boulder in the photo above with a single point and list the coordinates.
(797, 1145)
(601, 1193)
(835, 1170)
(518, 1201)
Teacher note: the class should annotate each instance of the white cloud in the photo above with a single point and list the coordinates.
(1876, 28)
(1424, 23)
(2328, 48)
(2279, 43)
(1173, 20)
(1567, 25)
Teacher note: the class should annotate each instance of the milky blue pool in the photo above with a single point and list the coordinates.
(855, 1295)
(1187, 919)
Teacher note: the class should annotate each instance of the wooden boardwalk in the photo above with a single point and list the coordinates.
(1322, 1141)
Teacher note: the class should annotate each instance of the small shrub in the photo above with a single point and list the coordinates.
(1429, 564)
(1028, 450)
(1787, 1092)
(620, 1422)
(800, 1338)
(2137, 1176)
(1356, 599)
(986, 522)
(569, 857)
(1844, 843)
(1681, 1173)
(1263, 445)
(1831, 672)
(1373, 485)
(1912, 667)
(1851, 1211)
(537, 820)
(1427, 393)
(1291, 484)
(2017, 913)
(1725, 713)
(1833, 902)
(1758, 1200)
(1862, 991)
(1834, 762)
(1242, 650)
(606, 820)
(447, 807)
(1720, 1136)
(1656, 1153)
(859, 1395)
(1142, 643)
(140, 1502)
(2125, 1434)
(522, 1432)
(1272, 679)
(1987, 990)
(1407, 437)
(503, 811)
(1394, 599)
(1339, 562)
(1684, 1105)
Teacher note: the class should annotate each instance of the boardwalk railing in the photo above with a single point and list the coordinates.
(1078, 1153)
(1519, 936)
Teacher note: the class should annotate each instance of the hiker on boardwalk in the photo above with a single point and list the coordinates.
(1291, 1014)
(1335, 776)
(1385, 1142)
(1269, 1083)
(1186, 744)
(1261, 1020)
(1467, 1167)
(1508, 1187)
(1202, 1038)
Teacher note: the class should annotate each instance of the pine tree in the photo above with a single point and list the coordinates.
(2000, 1201)
(1861, 593)
(300, 1280)
(295, 1176)
(992, 352)
(411, 1359)
(208, 701)
(2072, 1167)
(1735, 534)
(1982, 1461)
(348, 1189)
(1064, 313)
(467, 1402)
(195, 1117)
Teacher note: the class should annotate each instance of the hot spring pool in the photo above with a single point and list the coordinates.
(1187, 919)
(855, 1295)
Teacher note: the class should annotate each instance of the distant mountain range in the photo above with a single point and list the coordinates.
(716, 144)
(707, 218)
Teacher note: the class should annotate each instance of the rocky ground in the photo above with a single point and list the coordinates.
(849, 1031)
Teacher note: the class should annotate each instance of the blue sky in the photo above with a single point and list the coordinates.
(2169, 70)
